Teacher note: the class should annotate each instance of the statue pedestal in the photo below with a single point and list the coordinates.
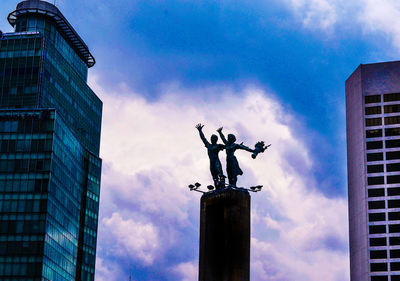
(225, 236)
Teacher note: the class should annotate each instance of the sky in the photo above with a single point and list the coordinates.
(264, 70)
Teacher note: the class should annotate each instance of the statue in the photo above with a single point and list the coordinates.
(213, 149)
(232, 165)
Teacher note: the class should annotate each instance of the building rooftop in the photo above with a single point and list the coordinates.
(49, 10)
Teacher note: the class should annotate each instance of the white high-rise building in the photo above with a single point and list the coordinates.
(373, 159)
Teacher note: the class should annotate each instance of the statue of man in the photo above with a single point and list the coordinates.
(213, 149)
(232, 165)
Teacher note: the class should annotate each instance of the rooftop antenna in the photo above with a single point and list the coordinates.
(130, 272)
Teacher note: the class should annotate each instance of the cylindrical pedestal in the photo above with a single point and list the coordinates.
(225, 236)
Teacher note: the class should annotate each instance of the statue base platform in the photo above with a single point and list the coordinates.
(225, 236)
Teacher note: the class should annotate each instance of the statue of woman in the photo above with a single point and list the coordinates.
(232, 166)
(213, 149)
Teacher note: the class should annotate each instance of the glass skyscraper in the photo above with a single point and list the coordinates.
(50, 123)
(373, 160)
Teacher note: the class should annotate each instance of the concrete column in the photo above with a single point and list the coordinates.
(225, 236)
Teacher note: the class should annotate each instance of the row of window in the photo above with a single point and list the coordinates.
(23, 279)
(381, 241)
(372, 205)
(24, 165)
(378, 156)
(381, 180)
(382, 216)
(377, 133)
(20, 259)
(370, 122)
(373, 110)
(394, 167)
(379, 229)
(27, 145)
(22, 227)
(386, 98)
(21, 248)
(24, 77)
(382, 266)
(380, 192)
(382, 254)
(26, 126)
(14, 186)
(385, 278)
(26, 217)
(20, 269)
(20, 53)
(19, 238)
(23, 206)
(379, 144)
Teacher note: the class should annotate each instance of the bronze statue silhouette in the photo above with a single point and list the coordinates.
(232, 165)
(213, 149)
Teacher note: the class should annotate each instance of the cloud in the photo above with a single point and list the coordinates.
(313, 14)
(371, 16)
(139, 240)
(187, 271)
(107, 270)
(151, 152)
(382, 16)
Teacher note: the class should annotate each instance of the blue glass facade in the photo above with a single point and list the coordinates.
(50, 168)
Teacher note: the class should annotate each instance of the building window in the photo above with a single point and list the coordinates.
(378, 254)
(393, 167)
(377, 229)
(389, 132)
(376, 205)
(394, 203)
(376, 267)
(369, 122)
(394, 216)
(394, 254)
(379, 278)
(394, 228)
(373, 110)
(393, 179)
(395, 278)
(373, 99)
(381, 241)
(377, 217)
(393, 191)
(392, 155)
(395, 266)
(375, 156)
(392, 120)
(393, 241)
(376, 180)
(391, 97)
(392, 108)
(374, 169)
(376, 192)
(374, 145)
(374, 133)
(392, 143)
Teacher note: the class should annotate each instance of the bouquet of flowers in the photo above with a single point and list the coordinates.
(259, 148)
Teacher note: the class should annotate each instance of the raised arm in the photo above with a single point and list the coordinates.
(242, 146)
(203, 138)
(222, 135)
